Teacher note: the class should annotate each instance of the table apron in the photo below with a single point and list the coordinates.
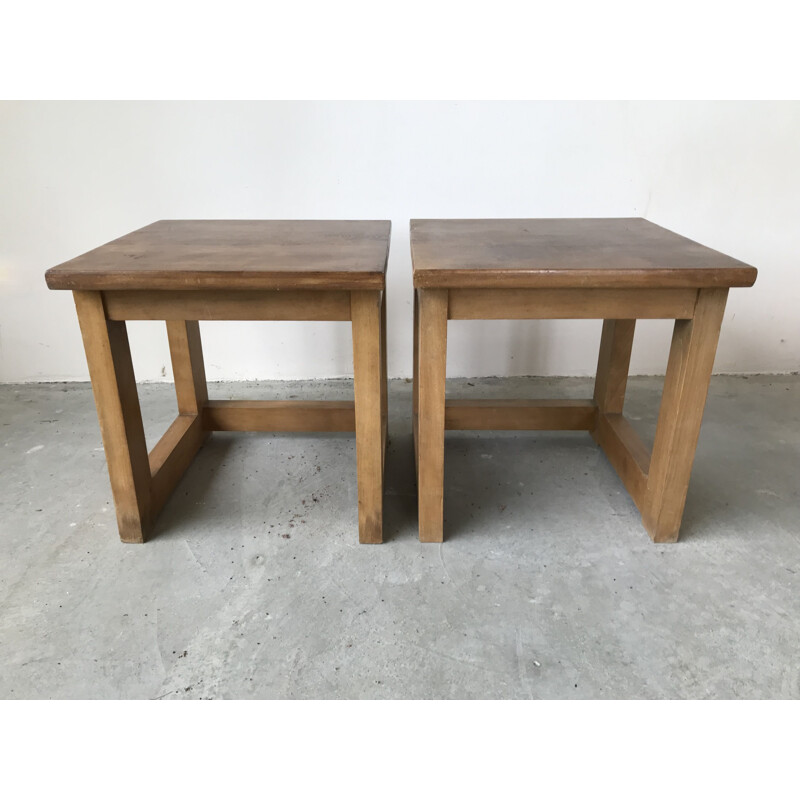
(571, 303)
(201, 304)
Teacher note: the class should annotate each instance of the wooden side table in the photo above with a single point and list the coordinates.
(185, 271)
(618, 270)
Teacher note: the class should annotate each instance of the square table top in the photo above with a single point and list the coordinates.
(565, 253)
(235, 254)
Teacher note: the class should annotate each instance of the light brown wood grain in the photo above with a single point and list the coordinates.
(613, 363)
(431, 412)
(235, 254)
(384, 385)
(171, 457)
(222, 304)
(620, 442)
(279, 415)
(186, 352)
(565, 253)
(626, 452)
(517, 415)
(415, 383)
(691, 360)
(367, 381)
(571, 303)
(114, 385)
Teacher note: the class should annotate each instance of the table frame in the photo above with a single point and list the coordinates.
(141, 483)
(658, 481)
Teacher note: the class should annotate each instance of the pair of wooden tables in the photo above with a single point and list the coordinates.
(618, 270)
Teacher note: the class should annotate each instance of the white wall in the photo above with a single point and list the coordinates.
(75, 175)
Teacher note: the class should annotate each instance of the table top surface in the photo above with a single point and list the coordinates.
(235, 254)
(565, 253)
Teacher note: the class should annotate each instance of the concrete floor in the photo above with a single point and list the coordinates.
(255, 585)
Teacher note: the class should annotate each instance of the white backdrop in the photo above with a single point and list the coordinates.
(75, 175)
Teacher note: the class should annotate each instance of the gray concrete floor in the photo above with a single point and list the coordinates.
(547, 586)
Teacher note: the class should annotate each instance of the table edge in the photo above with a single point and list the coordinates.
(200, 280)
(730, 277)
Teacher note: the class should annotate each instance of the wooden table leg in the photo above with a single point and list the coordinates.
(366, 317)
(175, 451)
(109, 358)
(186, 351)
(613, 364)
(384, 384)
(691, 360)
(415, 384)
(431, 371)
